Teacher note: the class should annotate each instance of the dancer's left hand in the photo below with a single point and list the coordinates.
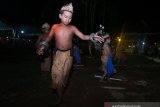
(98, 38)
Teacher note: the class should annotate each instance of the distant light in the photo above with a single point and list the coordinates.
(22, 31)
(119, 39)
(143, 43)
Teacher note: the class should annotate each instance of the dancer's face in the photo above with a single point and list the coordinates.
(45, 30)
(65, 17)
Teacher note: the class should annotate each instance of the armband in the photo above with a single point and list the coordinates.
(91, 37)
(45, 44)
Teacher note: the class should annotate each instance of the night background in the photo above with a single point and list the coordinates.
(134, 29)
(111, 13)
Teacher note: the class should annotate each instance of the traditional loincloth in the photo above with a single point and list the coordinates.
(62, 63)
(107, 65)
(109, 68)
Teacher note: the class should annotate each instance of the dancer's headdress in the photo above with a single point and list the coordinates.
(46, 25)
(67, 7)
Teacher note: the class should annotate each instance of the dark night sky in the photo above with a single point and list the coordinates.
(20, 11)
(130, 12)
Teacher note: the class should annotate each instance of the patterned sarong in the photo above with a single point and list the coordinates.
(62, 63)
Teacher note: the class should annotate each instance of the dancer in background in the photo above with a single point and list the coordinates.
(45, 58)
(106, 58)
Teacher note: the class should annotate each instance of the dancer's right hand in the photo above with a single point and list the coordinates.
(40, 50)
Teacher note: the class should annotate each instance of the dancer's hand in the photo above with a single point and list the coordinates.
(98, 38)
(42, 47)
(40, 50)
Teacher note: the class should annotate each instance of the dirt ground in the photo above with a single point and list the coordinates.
(23, 85)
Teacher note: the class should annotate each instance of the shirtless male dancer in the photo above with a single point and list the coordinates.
(46, 58)
(62, 61)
